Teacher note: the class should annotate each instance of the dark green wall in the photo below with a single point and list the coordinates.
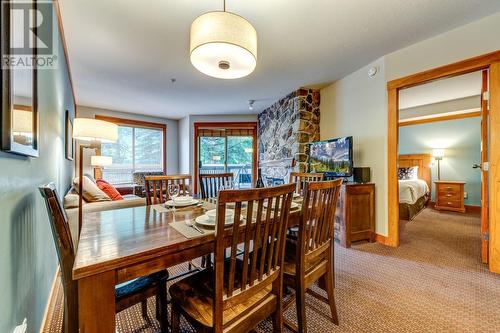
(28, 259)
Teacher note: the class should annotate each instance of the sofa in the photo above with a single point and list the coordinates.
(71, 207)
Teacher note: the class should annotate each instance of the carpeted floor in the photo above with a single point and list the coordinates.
(434, 282)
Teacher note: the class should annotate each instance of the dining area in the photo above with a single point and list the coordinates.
(248, 255)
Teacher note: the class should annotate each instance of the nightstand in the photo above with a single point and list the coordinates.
(450, 196)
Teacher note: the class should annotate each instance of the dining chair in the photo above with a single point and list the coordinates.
(237, 293)
(126, 294)
(310, 257)
(157, 187)
(210, 183)
(300, 179)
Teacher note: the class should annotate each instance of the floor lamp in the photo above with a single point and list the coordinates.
(93, 132)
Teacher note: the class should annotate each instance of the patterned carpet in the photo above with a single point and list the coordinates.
(434, 282)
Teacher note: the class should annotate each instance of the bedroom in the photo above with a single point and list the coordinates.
(439, 161)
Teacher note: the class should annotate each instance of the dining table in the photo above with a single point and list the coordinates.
(119, 245)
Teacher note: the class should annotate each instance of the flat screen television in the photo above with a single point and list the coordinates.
(333, 157)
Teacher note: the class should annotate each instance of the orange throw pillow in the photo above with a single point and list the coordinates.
(109, 189)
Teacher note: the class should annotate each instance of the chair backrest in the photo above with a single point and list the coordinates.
(259, 224)
(210, 183)
(157, 187)
(300, 179)
(65, 253)
(316, 228)
(139, 176)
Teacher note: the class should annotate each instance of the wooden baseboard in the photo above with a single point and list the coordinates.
(44, 327)
(382, 239)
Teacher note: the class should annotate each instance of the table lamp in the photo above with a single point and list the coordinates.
(99, 161)
(95, 132)
(438, 155)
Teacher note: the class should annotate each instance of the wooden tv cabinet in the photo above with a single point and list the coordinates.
(355, 214)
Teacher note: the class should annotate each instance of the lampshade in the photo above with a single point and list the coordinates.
(223, 45)
(89, 129)
(100, 161)
(438, 153)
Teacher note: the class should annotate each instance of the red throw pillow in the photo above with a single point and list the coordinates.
(109, 189)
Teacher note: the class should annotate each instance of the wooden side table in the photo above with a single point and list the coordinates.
(450, 195)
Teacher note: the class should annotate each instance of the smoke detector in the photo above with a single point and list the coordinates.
(372, 72)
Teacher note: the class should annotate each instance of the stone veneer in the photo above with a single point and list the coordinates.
(285, 129)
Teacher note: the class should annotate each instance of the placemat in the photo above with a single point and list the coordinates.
(190, 232)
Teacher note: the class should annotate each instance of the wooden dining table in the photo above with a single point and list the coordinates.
(119, 245)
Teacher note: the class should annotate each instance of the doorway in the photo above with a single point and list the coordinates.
(491, 99)
(227, 147)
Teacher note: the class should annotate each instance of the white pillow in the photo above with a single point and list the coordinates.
(71, 200)
(91, 193)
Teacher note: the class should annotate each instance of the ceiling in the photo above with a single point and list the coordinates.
(124, 53)
(442, 90)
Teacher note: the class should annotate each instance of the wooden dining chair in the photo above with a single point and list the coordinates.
(157, 187)
(210, 183)
(300, 179)
(126, 294)
(236, 294)
(310, 257)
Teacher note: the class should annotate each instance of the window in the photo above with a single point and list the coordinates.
(139, 148)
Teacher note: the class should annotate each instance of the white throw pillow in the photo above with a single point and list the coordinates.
(91, 193)
(71, 200)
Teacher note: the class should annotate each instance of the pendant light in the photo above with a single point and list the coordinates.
(223, 45)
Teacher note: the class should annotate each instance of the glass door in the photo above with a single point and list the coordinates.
(240, 159)
(227, 150)
(212, 154)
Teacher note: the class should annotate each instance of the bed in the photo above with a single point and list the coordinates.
(414, 193)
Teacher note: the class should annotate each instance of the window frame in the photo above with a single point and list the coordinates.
(140, 124)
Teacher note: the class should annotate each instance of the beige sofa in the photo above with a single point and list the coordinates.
(71, 208)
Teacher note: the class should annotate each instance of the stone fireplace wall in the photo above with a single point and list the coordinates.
(285, 128)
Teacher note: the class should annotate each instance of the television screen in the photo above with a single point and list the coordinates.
(333, 157)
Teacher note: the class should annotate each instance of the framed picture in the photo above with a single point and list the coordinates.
(69, 141)
(19, 114)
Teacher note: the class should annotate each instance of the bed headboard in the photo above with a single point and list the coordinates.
(423, 161)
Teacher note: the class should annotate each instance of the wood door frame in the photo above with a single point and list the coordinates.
(140, 123)
(240, 124)
(489, 61)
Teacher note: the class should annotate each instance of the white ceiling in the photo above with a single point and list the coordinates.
(123, 53)
(442, 90)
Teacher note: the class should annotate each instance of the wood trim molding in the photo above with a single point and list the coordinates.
(440, 118)
(382, 239)
(457, 68)
(242, 124)
(140, 123)
(51, 302)
(494, 150)
(392, 167)
(489, 61)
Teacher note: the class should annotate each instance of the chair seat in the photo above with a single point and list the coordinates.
(138, 285)
(195, 293)
(291, 259)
